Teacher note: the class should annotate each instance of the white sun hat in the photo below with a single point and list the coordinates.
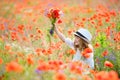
(84, 34)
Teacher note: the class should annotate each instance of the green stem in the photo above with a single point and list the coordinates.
(49, 39)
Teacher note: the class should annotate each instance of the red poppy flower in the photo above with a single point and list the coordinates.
(108, 64)
(55, 13)
(14, 66)
(1, 61)
(86, 52)
(105, 53)
(59, 21)
(60, 76)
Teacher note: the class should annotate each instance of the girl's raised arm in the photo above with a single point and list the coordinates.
(60, 35)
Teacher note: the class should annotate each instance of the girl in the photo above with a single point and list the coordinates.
(80, 43)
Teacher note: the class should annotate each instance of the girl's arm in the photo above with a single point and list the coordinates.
(60, 35)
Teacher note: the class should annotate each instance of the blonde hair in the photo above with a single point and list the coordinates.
(83, 44)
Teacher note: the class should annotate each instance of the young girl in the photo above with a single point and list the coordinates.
(81, 42)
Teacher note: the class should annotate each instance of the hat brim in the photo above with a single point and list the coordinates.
(81, 37)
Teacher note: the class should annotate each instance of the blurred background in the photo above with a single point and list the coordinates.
(27, 46)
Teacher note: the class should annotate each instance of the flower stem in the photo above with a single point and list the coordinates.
(53, 26)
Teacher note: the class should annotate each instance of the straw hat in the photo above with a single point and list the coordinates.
(84, 34)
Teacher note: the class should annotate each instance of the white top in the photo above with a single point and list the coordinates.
(78, 56)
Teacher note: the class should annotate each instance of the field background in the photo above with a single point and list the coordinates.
(27, 49)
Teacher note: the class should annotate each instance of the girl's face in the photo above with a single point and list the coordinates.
(77, 41)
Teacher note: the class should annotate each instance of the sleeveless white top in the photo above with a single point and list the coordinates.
(78, 56)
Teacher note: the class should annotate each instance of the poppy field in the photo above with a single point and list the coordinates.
(28, 51)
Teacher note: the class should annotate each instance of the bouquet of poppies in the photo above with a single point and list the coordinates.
(54, 16)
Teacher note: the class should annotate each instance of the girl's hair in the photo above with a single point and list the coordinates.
(82, 46)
